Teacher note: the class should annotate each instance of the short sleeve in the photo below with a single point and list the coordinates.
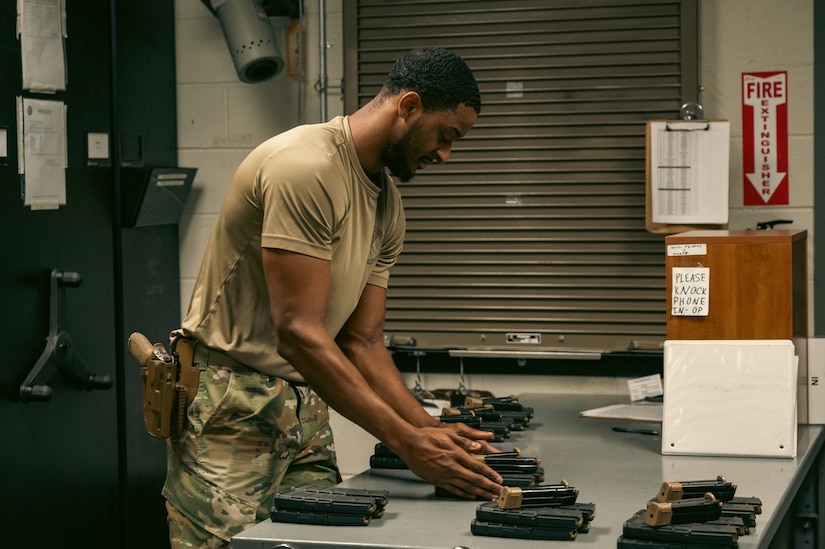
(394, 227)
(300, 212)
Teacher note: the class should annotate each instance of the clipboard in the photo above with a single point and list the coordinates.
(730, 398)
(686, 175)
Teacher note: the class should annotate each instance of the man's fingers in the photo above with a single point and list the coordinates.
(489, 473)
(487, 448)
(475, 447)
(483, 474)
(475, 441)
(467, 431)
(469, 444)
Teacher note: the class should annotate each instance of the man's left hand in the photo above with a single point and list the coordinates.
(480, 439)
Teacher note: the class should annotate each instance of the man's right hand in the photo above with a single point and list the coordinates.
(442, 457)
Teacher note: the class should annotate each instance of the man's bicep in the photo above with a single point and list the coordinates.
(299, 285)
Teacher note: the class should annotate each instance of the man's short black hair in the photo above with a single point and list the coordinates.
(439, 76)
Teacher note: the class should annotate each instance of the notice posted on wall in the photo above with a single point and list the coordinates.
(691, 291)
(42, 152)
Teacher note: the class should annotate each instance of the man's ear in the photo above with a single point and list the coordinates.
(410, 105)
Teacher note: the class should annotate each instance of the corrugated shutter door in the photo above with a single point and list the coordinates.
(532, 237)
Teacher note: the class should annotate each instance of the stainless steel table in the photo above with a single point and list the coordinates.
(618, 472)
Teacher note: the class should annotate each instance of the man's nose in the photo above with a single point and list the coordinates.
(443, 153)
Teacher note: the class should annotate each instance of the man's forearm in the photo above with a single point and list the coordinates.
(342, 385)
(382, 375)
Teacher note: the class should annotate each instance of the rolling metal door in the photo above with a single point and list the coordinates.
(532, 239)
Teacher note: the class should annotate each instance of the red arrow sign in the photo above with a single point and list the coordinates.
(765, 138)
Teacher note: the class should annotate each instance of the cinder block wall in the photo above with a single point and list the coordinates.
(220, 119)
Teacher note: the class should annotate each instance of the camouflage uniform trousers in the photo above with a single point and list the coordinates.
(249, 436)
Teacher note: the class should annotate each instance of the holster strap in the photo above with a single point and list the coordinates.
(189, 371)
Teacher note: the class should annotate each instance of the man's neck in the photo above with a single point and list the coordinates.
(369, 126)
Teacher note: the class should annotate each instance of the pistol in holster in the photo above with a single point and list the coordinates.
(170, 382)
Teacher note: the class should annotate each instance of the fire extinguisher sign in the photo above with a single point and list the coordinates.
(765, 138)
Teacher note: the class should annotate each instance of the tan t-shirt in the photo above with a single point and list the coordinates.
(302, 191)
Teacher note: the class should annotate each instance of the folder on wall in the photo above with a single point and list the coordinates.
(730, 398)
(687, 175)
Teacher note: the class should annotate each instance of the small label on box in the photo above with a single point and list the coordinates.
(643, 387)
(675, 250)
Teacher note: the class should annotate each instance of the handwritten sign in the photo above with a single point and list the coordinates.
(691, 291)
(676, 250)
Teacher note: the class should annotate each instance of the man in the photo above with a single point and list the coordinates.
(288, 310)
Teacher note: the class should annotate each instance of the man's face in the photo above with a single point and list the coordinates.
(427, 140)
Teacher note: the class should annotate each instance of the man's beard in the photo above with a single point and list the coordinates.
(395, 157)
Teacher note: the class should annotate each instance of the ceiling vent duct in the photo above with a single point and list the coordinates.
(250, 39)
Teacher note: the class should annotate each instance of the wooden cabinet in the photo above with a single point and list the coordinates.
(757, 284)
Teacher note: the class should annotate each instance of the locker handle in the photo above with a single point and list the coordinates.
(59, 352)
(767, 225)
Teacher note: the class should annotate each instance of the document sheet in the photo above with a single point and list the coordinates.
(689, 171)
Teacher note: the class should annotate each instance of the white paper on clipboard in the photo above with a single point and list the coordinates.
(41, 28)
(689, 171)
(730, 398)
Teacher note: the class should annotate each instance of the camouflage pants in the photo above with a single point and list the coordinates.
(249, 436)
